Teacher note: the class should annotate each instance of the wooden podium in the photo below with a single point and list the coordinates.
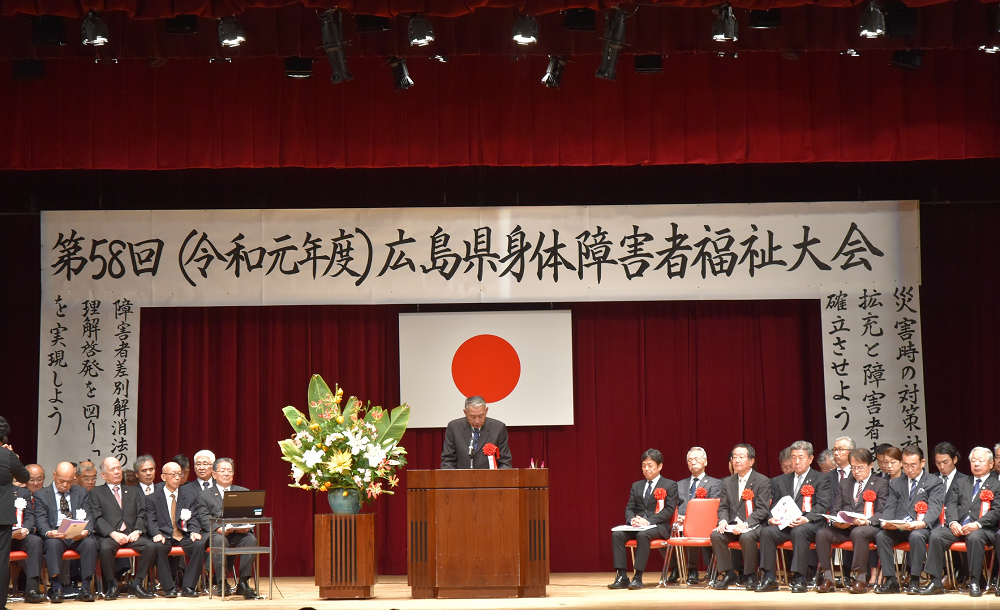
(346, 562)
(478, 533)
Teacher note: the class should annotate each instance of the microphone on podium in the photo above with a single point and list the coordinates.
(470, 451)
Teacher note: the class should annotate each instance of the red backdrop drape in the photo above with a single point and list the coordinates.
(489, 110)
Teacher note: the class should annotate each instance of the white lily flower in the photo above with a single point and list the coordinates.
(312, 457)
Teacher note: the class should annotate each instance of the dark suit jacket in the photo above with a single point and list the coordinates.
(158, 513)
(195, 486)
(455, 454)
(822, 499)
(210, 505)
(930, 489)
(844, 496)
(960, 503)
(109, 517)
(731, 505)
(47, 508)
(11, 468)
(28, 515)
(637, 507)
(835, 481)
(711, 485)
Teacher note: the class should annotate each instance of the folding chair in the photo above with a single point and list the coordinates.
(702, 516)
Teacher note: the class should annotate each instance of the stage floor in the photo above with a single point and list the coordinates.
(564, 591)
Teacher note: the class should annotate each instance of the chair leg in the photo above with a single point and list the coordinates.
(782, 572)
(667, 555)
(631, 551)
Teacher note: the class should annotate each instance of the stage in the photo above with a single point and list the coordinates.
(565, 591)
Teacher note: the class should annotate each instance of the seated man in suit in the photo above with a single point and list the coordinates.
(968, 518)
(145, 472)
(687, 489)
(171, 521)
(785, 461)
(825, 463)
(906, 494)
(25, 538)
(644, 509)
(210, 507)
(801, 483)
(203, 461)
(743, 508)
(120, 520)
(64, 500)
(864, 493)
(465, 438)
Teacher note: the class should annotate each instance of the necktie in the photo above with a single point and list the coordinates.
(694, 487)
(913, 487)
(475, 439)
(975, 488)
(118, 496)
(205, 484)
(798, 483)
(843, 474)
(645, 495)
(857, 492)
(149, 490)
(173, 517)
(63, 504)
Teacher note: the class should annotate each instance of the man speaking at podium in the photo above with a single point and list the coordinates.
(465, 438)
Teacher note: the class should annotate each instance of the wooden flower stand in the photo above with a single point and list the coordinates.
(346, 562)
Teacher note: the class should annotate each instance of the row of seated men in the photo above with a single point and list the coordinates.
(151, 518)
(903, 504)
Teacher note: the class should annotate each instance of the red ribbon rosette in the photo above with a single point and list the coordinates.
(985, 498)
(748, 498)
(490, 451)
(660, 494)
(701, 493)
(921, 508)
(807, 491)
(869, 498)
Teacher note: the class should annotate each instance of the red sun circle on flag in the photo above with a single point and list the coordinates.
(486, 366)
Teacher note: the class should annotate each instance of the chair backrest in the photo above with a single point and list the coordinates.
(701, 517)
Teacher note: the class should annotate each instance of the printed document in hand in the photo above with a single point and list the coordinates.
(238, 526)
(899, 522)
(785, 511)
(844, 517)
(72, 528)
(632, 528)
(739, 523)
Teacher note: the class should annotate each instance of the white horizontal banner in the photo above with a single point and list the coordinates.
(427, 255)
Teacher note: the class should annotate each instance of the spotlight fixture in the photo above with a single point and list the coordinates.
(525, 30)
(851, 53)
(580, 20)
(298, 67)
(614, 40)
(231, 32)
(907, 60)
(553, 74)
(420, 31)
(725, 26)
(648, 64)
(990, 49)
(48, 30)
(765, 19)
(872, 21)
(400, 75)
(333, 44)
(181, 24)
(94, 31)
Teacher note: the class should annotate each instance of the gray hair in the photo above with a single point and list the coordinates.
(204, 453)
(475, 401)
(848, 439)
(216, 463)
(996, 448)
(785, 454)
(825, 456)
(989, 454)
(103, 462)
(698, 452)
(802, 446)
(142, 459)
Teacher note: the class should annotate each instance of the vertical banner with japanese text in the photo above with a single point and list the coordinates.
(873, 364)
(88, 377)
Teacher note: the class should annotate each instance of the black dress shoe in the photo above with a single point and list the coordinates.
(636, 584)
(229, 590)
(189, 592)
(247, 592)
(931, 589)
(974, 590)
(723, 583)
(913, 587)
(112, 592)
(672, 577)
(85, 595)
(692, 578)
(56, 596)
(798, 586)
(890, 586)
(170, 593)
(620, 583)
(137, 590)
(750, 583)
(812, 582)
(34, 597)
(767, 584)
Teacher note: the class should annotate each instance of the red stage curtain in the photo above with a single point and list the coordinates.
(488, 110)
(664, 375)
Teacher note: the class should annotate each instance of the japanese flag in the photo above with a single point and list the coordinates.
(520, 362)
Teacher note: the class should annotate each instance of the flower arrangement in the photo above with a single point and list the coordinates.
(351, 447)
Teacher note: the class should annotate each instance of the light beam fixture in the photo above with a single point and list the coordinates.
(298, 67)
(872, 21)
(553, 74)
(231, 32)
(525, 30)
(420, 31)
(614, 40)
(94, 31)
(769, 19)
(333, 44)
(725, 26)
(400, 75)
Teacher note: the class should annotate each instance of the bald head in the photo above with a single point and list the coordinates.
(36, 478)
(64, 476)
(171, 473)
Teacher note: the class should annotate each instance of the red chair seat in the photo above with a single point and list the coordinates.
(176, 551)
(126, 553)
(684, 541)
(905, 547)
(659, 543)
(71, 555)
(960, 547)
(18, 555)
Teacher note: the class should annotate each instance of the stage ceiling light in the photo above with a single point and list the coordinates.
(400, 75)
(725, 26)
(553, 74)
(94, 31)
(614, 40)
(420, 31)
(333, 44)
(648, 64)
(765, 20)
(231, 32)
(298, 67)
(525, 30)
(872, 21)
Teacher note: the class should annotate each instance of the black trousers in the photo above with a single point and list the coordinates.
(859, 535)
(86, 547)
(886, 539)
(941, 540)
(232, 540)
(108, 548)
(748, 542)
(32, 545)
(195, 552)
(800, 537)
(642, 540)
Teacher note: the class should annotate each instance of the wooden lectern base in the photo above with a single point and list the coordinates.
(346, 564)
(477, 592)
